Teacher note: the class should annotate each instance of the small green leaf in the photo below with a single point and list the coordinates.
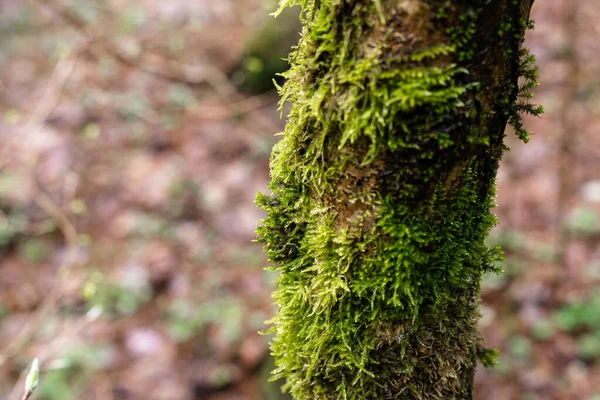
(33, 377)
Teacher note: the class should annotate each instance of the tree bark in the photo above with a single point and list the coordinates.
(381, 192)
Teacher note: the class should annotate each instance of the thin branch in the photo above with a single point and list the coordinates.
(51, 300)
(53, 348)
(56, 84)
(568, 131)
(233, 110)
(100, 44)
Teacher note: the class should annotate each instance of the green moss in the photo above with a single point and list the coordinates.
(528, 71)
(529, 76)
(462, 35)
(381, 191)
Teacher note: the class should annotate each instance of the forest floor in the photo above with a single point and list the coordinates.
(129, 163)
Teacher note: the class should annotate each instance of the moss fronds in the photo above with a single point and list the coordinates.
(381, 191)
(528, 72)
(529, 79)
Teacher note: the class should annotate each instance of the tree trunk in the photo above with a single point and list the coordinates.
(381, 192)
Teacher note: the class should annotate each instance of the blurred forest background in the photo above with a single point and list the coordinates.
(134, 137)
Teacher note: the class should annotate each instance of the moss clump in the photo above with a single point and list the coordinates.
(528, 72)
(381, 191)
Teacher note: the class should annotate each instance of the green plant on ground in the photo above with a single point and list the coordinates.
(581, 318)
(187, 320)
(70, 373)
(122, 297)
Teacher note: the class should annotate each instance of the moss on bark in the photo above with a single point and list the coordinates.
(381, 193)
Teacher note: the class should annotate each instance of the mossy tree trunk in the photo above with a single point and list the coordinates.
(382, 188)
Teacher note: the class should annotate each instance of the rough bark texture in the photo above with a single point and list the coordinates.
(381, 192)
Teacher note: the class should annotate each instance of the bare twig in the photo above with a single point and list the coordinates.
(59, 78)
(233, 110)
(53, 348)
(40, 114)
(109, 100)
(51, 300)
(568, 130)
(100, 44)
(27, 395)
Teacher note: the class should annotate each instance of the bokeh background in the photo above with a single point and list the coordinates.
(134, 137)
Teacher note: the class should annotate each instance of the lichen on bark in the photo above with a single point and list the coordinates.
(381, 193)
